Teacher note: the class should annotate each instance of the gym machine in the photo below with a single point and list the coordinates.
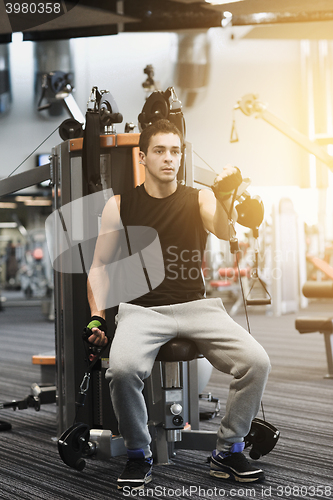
(171, 390)
(250, 105)
(94, 167)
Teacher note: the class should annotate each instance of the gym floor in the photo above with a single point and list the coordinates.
(298, 401)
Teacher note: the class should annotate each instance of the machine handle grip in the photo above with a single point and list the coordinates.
(258, 302)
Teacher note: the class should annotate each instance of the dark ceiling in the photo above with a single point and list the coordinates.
(102, 17)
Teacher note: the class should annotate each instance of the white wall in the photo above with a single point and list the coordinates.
(269, 68)
(114, 63)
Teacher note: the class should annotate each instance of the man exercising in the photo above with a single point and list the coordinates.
(182, 217)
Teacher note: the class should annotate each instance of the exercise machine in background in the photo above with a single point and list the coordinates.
(320, 324)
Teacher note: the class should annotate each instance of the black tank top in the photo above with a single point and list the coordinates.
(178, 223)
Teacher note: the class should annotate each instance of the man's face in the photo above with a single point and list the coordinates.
(163, 157)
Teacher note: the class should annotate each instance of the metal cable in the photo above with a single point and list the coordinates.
(34, 151)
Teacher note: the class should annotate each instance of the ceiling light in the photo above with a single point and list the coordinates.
(23, 198)
(38, 203)
(221, 2)
(7, 204)
(263, 17)
(7, 225)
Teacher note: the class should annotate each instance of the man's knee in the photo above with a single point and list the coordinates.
(122, 372)
(261, 362)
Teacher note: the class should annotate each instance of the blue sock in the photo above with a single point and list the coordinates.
(235, 448)
(138, 454)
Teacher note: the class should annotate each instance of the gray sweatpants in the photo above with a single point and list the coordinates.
(231, 349)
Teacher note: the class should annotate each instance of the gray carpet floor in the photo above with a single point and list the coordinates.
(298, 400)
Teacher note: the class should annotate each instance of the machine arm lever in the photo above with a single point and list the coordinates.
(250, 105)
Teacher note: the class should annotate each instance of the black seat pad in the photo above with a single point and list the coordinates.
(178, 350)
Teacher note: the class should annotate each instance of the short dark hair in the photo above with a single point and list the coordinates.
(160, 127)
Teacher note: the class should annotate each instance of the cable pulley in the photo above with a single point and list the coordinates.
(108, 110)
(155, 108)
(250, 212)
(70, 129)
(162, 105)
(73, 444)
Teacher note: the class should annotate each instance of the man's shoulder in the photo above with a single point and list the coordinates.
(188, 195)
(187, 190)
(131, 200)
(131, 192)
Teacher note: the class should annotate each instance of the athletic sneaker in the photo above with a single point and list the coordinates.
(137, 471)
(233, 464)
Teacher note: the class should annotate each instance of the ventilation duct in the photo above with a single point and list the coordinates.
(193, 66)
(5, 90)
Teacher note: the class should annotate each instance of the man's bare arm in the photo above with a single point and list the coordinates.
(105, 250)
(213, 214)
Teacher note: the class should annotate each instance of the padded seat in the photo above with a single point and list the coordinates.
(219, 283)
(323, 325)
(313, 324)
(178, 350)
(47, 362)
(232, 272)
